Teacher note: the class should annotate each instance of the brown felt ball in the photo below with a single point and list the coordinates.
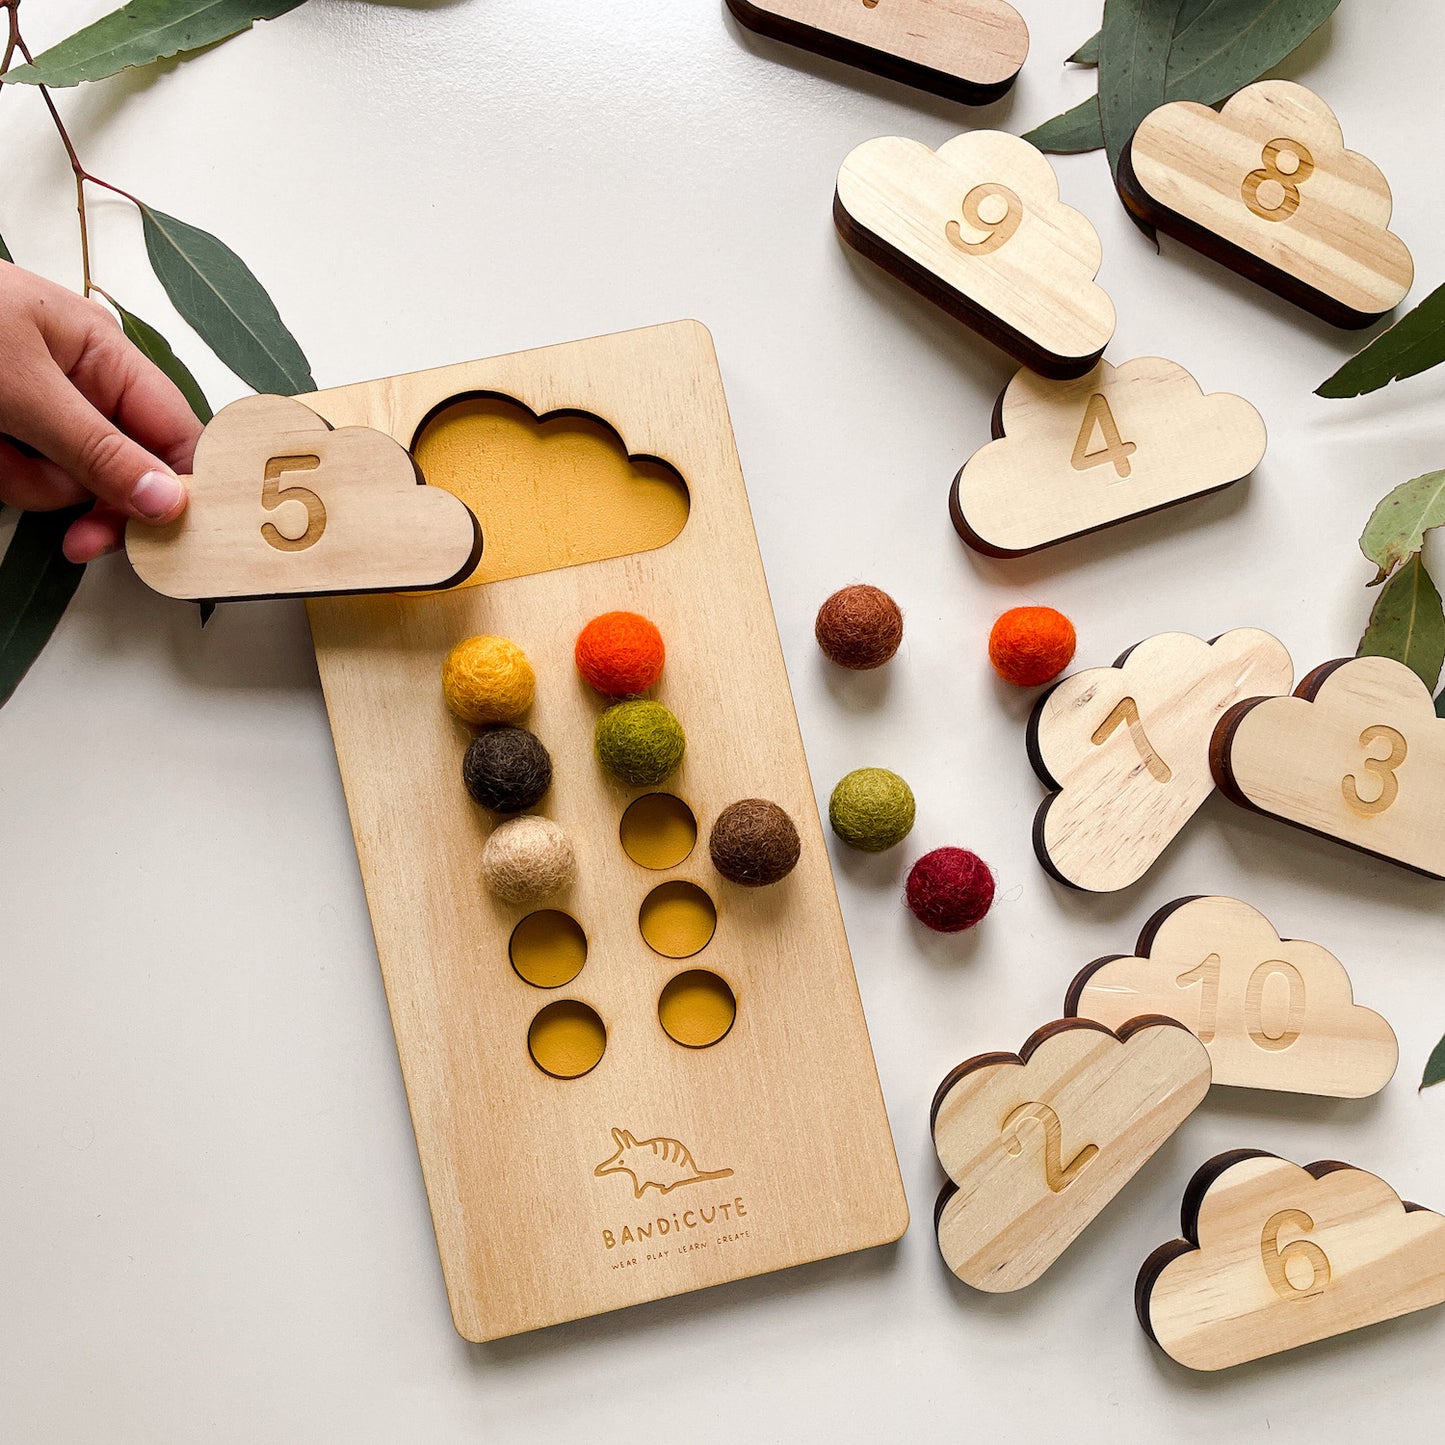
(859, 627)
(754, 843)
(506, 769)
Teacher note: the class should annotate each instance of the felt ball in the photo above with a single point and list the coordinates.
(488, 679)
(528, 859)
(871, 809)
(754, 843)
(1031, 645)
(640, 742)
(859, 627)
(506, 769)
(949, 889)
(620, 654)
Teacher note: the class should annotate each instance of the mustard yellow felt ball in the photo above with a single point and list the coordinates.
(488, 680)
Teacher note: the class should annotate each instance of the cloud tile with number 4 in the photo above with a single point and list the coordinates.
(283, 506)
(1276, 1256)
(1070, 457)
(1274, 1013)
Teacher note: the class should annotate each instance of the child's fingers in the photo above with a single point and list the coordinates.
(100, 530)
(32, 484)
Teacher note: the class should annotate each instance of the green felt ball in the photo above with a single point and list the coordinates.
(871, 809)
(640, 742)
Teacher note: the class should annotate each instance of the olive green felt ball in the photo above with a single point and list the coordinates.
(640, 742)
(871, 809)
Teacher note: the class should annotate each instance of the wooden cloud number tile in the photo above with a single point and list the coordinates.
(1035, 1144)
(967, 50)
(1274, 1013)
(1276, 1256)
(1070, 457)
(1267, 187)
(1357, 754)
(978, 228)
(1125, 749)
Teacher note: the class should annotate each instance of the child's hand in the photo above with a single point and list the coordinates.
(107, 422)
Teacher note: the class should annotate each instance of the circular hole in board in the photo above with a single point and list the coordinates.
(677, 919)
(697, 1009)
(567, 1039)
(548, 948)
(658, 830)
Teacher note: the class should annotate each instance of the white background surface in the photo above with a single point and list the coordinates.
(212, 1224)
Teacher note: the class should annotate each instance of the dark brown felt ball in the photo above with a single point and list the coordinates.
(506, 769)
(754, 843)
(859, 627)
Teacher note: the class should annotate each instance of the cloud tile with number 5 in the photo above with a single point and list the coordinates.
(1125, 749)
(1276, 1256)
(283, 506)
(1357, 754)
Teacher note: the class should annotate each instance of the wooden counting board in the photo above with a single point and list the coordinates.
(968, 50)
(1357, 754)
(1274, 1013)
(677, 1159)
(1267, 187)
(978, 228)
(1070, 457)
(1125, 749)
(1275, 1256)
(1036, 1143)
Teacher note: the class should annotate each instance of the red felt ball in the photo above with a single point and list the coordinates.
(620, 654)
(949, 889)
(1031, 645)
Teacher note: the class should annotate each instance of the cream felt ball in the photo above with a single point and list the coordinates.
(528, 859)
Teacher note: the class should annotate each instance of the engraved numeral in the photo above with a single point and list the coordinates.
(1382, 768)
(274, 495)
(1115, 449)
(1127, 712)
(1000, 225)
(1206, 975)
(1271, 173)
(1276, 1260)
(1058, 1174)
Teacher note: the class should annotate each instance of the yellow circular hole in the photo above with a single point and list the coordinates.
(566, 1039)
(677, 919)
(548, 948)
(658, 830)
(697, 1008)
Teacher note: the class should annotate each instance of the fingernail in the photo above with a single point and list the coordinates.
(157, 494)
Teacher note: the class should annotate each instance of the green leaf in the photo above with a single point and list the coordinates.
(1133, 58)
(1434, 1066)
(1408, 623)
(1440, 705)
(213, 288)
(1415, 343)
(157, 349)
(142, 32)
(1087, 53)
(5, 252)
(1079, 129)
(1396, 529)
(36, 585)
(1226, 44)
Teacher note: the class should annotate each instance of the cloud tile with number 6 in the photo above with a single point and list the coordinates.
(283, 506)
(1276, 1256)
(1274, 1013)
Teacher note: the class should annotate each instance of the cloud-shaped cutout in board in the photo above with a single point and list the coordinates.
(1267, 186)
(1036, 1143)
(1274, 1013)
(1276, 1256)
(1126, 749)
(1357, 754)
(283, 506)
(978, 228)
(1070, 457)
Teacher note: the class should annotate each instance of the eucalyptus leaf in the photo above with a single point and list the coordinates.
(1408, 623)
(1134, 50)
(157, 349)
(1079, 129)
(1227, 44)
(215, 291)
(36, 585)
(1396, 529)
(1415, 343)
(1440, 705)
(1434, 1066)
(1087, 53)
(140, 33)
(5, 252)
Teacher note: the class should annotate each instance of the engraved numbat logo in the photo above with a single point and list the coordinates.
(660, 1164)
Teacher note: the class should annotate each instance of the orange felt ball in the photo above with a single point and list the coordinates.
(1031, 645)
(620, 654)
